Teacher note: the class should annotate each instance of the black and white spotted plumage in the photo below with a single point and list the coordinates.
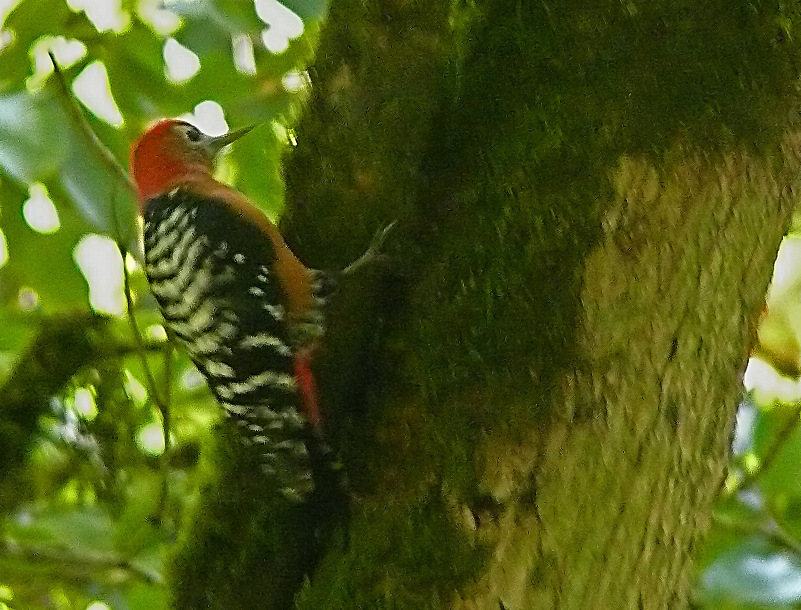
(212, 274)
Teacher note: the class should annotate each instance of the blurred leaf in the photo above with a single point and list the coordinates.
(265, 187)
(732, 518)
(136, 533)
(778, 342)
(41, 262)
(222, 16)
(752, 574)
(307, 9)
(791, 517)
(89, 529)
(146, 597)
(783, 476)
(18, 329)
(29, 151)
(137, 77)
(29, 21)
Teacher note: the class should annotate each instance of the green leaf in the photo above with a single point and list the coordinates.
(69, 163)
(221, 16)
(29, 152)
(137, 77)
(29, 21)
(146, 597)
(41, 262)
(88, 529)
(783, 476)
(732, 517)
(307, 9)
(257, 158)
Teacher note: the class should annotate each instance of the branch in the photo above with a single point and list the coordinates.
(161, 403)
(771, 530)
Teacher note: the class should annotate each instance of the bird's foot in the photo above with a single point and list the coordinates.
(373, 253)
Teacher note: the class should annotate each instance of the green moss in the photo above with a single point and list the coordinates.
(399, 557)
(246, 547)
(377, 81)
(550, 97)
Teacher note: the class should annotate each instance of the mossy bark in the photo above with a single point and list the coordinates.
(535, 406)
(624, 472)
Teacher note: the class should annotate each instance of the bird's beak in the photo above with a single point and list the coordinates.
(218, 143)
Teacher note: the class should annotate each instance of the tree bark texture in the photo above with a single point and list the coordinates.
(625, 472)
(537, 413)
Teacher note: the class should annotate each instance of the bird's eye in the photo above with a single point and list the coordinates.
(193, 134)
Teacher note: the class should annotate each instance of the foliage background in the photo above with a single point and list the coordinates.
(91, 499)
(97, 501)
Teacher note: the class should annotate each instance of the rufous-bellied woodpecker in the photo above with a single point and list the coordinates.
(246, 309)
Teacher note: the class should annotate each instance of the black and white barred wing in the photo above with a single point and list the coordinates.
(211, 273)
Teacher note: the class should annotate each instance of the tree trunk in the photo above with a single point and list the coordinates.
(589, 202)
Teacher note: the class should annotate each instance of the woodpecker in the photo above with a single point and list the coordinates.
(246, 309)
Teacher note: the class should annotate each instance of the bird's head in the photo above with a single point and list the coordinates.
(172, 151)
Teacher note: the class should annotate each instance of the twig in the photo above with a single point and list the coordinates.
(121, 350)
(80, 120)
(165, 427)
(161, 405)
(105, 154)
(772, 531)
(769, 455)
(165, 416)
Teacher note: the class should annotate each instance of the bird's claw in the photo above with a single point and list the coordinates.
(373, 252)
